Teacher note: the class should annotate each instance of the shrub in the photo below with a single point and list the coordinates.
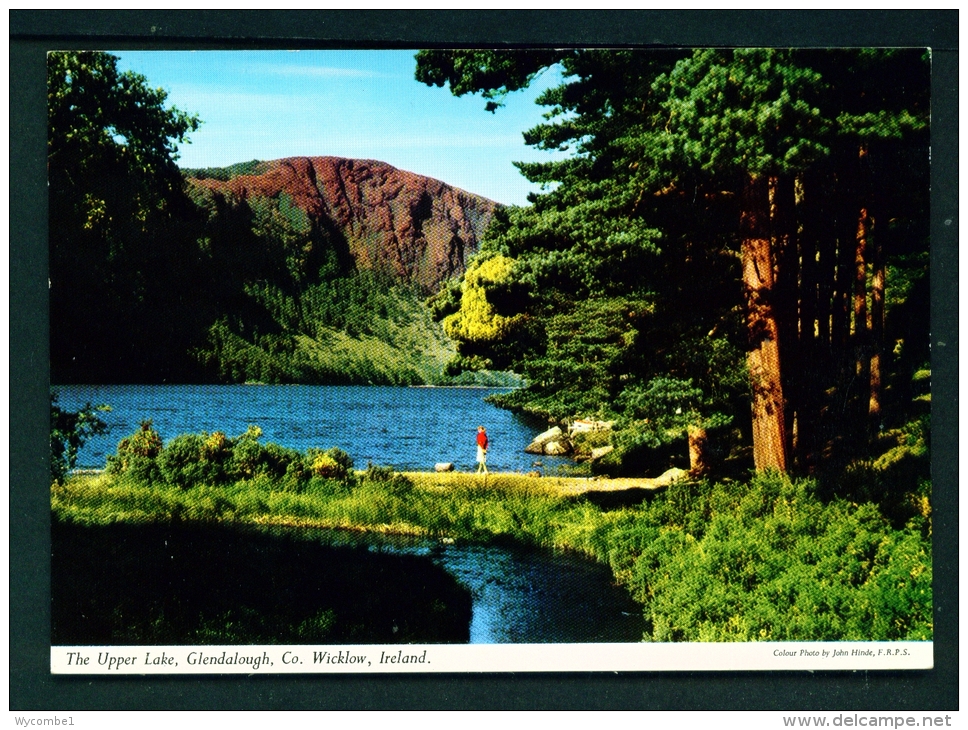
(248, 458)
(136, 455)
(767, 560)
(330, 464)
(391, 481)
(642, 453)
(181, 461)
(216, 449)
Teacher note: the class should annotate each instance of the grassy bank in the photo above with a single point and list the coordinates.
(764, 560)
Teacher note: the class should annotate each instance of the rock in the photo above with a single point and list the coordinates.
(537, 446)
(414, 228)
(558, 448)
(586, 426)
(670, 476)
(444, 466)
(600, 452)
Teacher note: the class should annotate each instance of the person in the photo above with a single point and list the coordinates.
(482, 444)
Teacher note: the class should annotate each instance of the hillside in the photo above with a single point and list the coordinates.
(416, 229)
(311, 270)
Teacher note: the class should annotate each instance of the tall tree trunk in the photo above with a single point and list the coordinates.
(859, 325)
(763, 356)
(874, 343)
(786, 283)
(812, 315)
(861, 321)
(698, 451)
(878, 282)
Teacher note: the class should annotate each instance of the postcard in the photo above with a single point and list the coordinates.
(523, 360)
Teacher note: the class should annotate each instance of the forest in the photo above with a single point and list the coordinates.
(736, 251)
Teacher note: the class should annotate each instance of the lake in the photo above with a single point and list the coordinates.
(406, 428)
(518, 595)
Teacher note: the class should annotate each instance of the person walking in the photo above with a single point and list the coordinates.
(482, 444)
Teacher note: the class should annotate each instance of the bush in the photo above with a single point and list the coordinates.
(181, 461)
(768, 560)
(212, 459)
(136, 455)
(642, 453)
(391, 481)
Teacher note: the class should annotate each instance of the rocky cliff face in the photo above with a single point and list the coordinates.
(416, 228)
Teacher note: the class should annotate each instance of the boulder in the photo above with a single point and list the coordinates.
(444, 466)
(601, 451)
(538, 445)
(558, 448)
(670, 476)
(583, 425)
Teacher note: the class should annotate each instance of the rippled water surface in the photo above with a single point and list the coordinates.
(519, 595)
(406, 428)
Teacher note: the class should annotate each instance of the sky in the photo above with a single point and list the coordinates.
(365, 104)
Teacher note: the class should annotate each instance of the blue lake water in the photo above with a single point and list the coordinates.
(518, 595)
(406, 428)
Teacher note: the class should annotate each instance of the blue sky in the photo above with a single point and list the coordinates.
(366, 104)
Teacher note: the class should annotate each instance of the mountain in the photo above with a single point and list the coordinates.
(300, 270)
(416, 229)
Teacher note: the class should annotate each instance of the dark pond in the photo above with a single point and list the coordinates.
(522, 595)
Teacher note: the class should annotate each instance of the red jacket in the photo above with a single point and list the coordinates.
(482, 439)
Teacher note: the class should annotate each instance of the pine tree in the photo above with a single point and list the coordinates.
(784, 184)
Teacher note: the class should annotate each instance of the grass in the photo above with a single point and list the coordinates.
(767, 559)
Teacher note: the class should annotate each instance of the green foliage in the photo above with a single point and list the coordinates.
(600, 294)
(331, 464)
(751, 110)
(471, 71)
(182, 464)
(388, 479)
(69, 430)
(119, 249)
(136, 456)
(252, 167)
(643, 449)
(759, 560)
(653, 206)
(773, 563)
(353, 328)
(212, 460)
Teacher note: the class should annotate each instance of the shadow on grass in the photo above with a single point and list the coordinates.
(621, 498)
(187, 583)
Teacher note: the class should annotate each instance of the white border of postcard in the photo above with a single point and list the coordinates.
(436, 658)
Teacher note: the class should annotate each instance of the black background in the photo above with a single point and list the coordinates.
(33, 33)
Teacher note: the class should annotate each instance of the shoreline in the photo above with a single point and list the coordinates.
(563, 486)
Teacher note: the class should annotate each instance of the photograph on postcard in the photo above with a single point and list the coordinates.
(458, 360)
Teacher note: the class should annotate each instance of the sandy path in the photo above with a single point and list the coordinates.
(557, 485)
